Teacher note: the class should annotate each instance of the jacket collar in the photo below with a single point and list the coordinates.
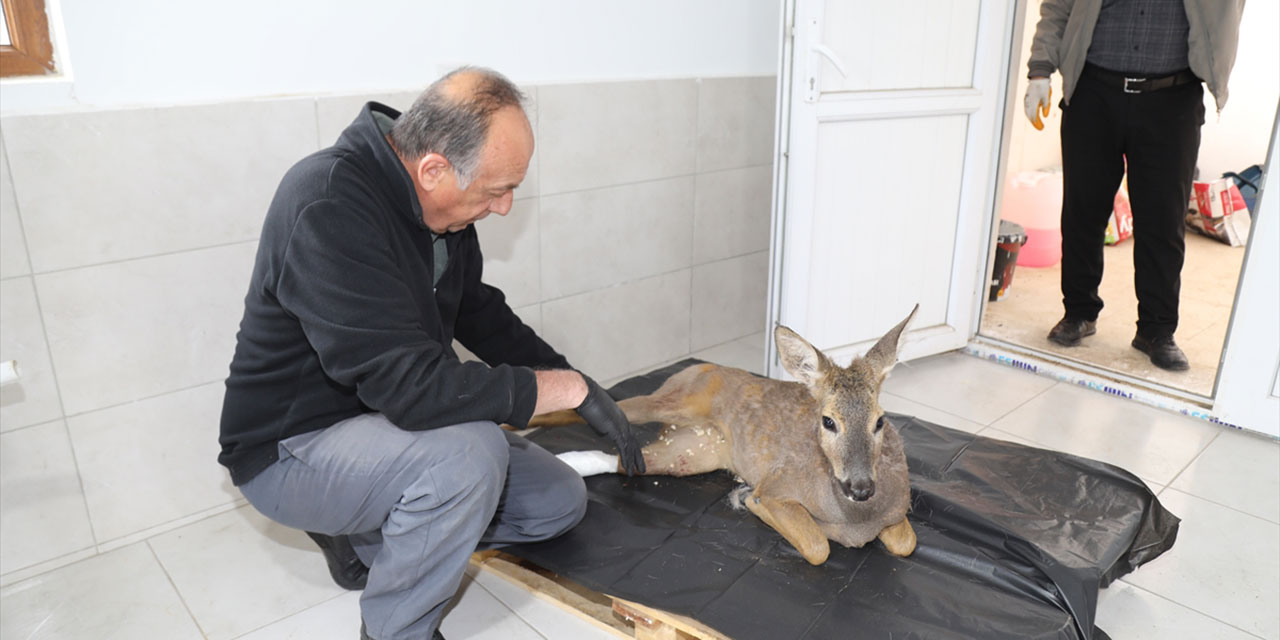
(365, 138)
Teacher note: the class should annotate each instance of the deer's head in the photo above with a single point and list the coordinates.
(849, 423)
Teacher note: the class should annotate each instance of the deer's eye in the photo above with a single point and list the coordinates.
(828, 424)
(879, 424)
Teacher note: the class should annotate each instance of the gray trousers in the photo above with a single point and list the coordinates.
(416, 504)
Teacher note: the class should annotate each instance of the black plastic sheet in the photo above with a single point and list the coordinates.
(1014, 542)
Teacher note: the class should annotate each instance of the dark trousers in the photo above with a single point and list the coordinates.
(1158, 133)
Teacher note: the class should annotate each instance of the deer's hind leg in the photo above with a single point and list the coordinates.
(684, 450)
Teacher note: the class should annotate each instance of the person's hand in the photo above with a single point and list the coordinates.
(604, 415)
(1037, 101)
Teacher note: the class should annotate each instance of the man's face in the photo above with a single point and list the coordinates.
(503, 163)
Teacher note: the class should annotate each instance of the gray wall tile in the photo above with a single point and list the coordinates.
(335, 113)
(609, 332)
(42, 513)
(103, 186)
(34, 398)
(599, 238)
(512, 253)
(13, 247)
(729, 299)
(735, 122)
(134, 329)
(601, 134)
(731, 213)
(150, 462)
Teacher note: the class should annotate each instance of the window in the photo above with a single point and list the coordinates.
(25, 47)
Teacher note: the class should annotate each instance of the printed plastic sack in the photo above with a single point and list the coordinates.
(1120, 224)
(1220, 212)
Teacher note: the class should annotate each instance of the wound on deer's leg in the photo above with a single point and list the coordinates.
(899, 539)
(683, 450)
(794, 523)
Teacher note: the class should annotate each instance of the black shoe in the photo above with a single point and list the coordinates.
(1069, 331)
(345, 566)
(1164, 353)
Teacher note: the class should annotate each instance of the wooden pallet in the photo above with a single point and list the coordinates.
(619, 617)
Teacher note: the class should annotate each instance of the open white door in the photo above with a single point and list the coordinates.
(889, 121)
(1248, 393)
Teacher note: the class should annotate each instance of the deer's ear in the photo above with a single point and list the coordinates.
(884, 355)
(799, 358)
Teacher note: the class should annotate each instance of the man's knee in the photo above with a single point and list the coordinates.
(564, 510)
(468, 458)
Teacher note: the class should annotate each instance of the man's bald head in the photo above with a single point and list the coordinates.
(452, 118)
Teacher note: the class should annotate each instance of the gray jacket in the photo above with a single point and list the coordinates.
(1066, 29)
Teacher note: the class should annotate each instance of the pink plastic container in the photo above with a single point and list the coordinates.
(1033, 199)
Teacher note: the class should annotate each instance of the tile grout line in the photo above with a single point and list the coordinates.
(22, 228)
(62, 409)
(634, 280)
(176, 590)
(1022, 404)
(642, 181)
(148, 256)
(1189, 608)
(1193, 459)
(511, 610)
(1219, 504)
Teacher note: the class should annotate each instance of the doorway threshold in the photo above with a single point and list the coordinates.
(1091, 377)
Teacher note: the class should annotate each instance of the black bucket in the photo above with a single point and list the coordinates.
(1011, 238)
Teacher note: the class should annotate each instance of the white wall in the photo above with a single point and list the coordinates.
(1236, 141)
(152, 52)
(1240, 138)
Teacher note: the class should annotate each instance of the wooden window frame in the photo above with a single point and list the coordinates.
(31, 50)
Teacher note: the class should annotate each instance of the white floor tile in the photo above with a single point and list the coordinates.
(336, 619)
(965, 386)
(1149, 442)
(1126, 612)
(1238, 470)
(476, 614)
(898, 404)
(550, 620)
(1225, 564)
(239, 571)
(123, 594)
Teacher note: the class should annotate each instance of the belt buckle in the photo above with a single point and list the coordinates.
(1128, 80)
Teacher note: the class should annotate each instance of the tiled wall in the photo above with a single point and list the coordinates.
(127, 238)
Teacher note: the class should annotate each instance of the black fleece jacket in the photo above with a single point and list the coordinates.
(341, 317)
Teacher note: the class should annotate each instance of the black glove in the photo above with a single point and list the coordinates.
(604, 415)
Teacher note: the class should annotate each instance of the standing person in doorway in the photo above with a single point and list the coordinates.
(347, 412)
(1132, 76)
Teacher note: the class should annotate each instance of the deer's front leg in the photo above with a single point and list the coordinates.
(794, 523)
(899, 539)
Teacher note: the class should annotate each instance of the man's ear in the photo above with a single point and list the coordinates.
(431, 170)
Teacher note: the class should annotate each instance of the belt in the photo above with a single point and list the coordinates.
(1130, 84)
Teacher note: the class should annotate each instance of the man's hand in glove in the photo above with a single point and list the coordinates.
(604, 415)
(1037, 101)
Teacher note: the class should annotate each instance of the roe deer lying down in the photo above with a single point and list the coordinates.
(816, 457)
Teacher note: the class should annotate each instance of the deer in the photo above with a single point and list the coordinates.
(816, 459)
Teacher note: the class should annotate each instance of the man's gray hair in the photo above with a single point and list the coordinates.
(454, 124)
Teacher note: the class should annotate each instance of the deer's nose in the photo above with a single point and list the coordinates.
(860, 490)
